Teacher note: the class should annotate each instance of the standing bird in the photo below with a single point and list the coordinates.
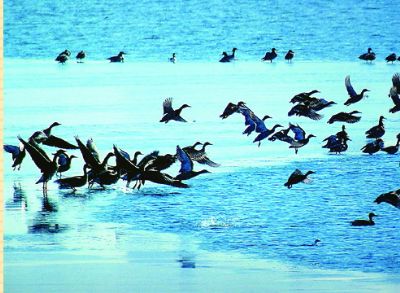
(369, 56)
(170, 113)
(173, 58)
(64, 161)
(373, 147)
(391, 150)
(296, 177)
(345, 117)
(118, 58)
(369, 222)
(186, 171)
(73, 182)
(18, 154)
(231, 108)
(391, 197)
(376, 131)
(354, 97)
(63, 56)
(269, 56)
(391, 58)
(225, 58)
(80, 56)
(232, 56)
(289, 56)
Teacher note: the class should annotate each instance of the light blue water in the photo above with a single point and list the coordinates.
(241, 206)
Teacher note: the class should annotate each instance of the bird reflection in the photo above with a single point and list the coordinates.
(19, 198)
(45, 220)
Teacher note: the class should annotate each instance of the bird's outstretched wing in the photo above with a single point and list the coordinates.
(167, 106)
(396, 82)
(59, 143)
(350, 90)
(186, 162)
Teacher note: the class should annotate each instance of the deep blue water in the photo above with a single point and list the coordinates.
(200, 30)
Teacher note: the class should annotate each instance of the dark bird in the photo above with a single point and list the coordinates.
(64, 161)
(376, 131)
(316, 241)
(343, 134)
(63, 56)
(47, 167)
(335, 144)
(269, 56)
(18, 154)
(170, 113)
(45, 137)
(118, 58)
(391, 197)
(318, 104)
(186, 171)
(296, 177)
(264, 132)
(289, 56)
(232, 56)
(396, 82)
(369, 222)
(73, 182)
(391, 58)
(394, 148)
(80, 56)
(191, 148)
(345, 117)
(300, 138)
(231, 108)
(369, 56)
(299, 98)
(300, 143)
(252, 121)
(225, 58)
(160, 178)
(200, 156)
(173, 58)
(373, 147)
(305, 111)
(354, 97)
(42, 135)
(396, 100)
(282, 135)
(124, 164)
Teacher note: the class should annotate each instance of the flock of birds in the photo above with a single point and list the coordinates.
(369, 56)
(152, 166)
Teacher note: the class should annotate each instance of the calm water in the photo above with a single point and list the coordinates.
(241, 206)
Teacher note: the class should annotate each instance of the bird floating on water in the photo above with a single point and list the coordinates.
(225, 58)
(119, 58)
(296, 177)
(354, 97)
(369, 56)
(369, 222)
(171, 114)
(269, 56)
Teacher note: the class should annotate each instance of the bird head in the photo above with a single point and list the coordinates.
(311, 135)
(266, 117)
(371, 215)
(185, 106)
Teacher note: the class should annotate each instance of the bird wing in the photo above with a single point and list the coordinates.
(295, 174)
(179, 118)
(350, 90)
(395, 96)
(186, 162)
(147, 159)
(314, 115)
(59, 143)
(396, 82)
(229, 110)
(201, 157)
(12, 149)
(62, 160)
(38, 158)
(299, 133)
(167, 106)
(87, 155)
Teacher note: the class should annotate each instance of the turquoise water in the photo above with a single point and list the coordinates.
(242, 206)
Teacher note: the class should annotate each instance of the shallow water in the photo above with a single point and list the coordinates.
(241, 206)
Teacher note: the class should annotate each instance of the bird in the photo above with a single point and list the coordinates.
(232, 56)
(296, 177)
(64, 161)
(186, 171)
(173, 58)
(396, 100)
(354, 97)
(304, 110)
(118, 58)
(264, 132)
(300, 143)
(343, 134)
(318, 104)
(369, 56)
(18, 154)
(269, 56)
(301, 97)
(47, 166)
(130, 168)
(369, 222)
(170, 113)
(63, 56)
(80, 56)
(300, 138)
(289, 56)
(73, 182)
(45, 137)
(282, 135)
(335, 144)
(252, 121)
(200, 156)
(225, 58)
(391, 197)
(345, 117)
(391, 58)
(373, 147)
(232, 108)
(315, 243)
(392, 149)
(376, 131)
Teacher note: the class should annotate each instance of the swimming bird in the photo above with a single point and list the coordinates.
(80, 56)
(269, 56)
(170, 113)
(316, 241)
(64, 161)
(118, 58)
(369, 222)
(232, 108)
(296, 177)
(47, 167)
(186, 171)
(391, 197)
(305, 111)
(232, 56)
(173, 58)
(345, 117)
(18, 154)
(391, 58)
(354, 97)
(369, 56)
(200, 156)
(225, 58)
(73, 182)
(373, 147)
(301, 97)
(264, 132)
(376, 131)
(394, 148)
(289, 56)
